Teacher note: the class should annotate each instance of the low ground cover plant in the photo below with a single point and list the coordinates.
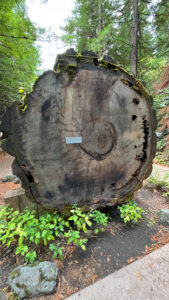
(29, 233)
(161, 182)
(130, 212)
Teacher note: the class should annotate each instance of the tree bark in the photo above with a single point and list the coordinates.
(100, 22)
(134, 38)
(100, 17)
(93, 18)
(86, 136)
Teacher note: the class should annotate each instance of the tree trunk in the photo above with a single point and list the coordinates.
(134, 38)
(93, 19)
(100, 17)
(86, 136)
(100, 22)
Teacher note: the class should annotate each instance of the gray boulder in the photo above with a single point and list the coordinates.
(34, 280)
(17, 180)
(163, 216)
(8, 178)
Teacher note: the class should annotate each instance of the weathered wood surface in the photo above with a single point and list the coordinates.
(92, 99)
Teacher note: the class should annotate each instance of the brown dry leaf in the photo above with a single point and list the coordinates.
(156, 245)
(108, 259)
(101, 253)
(94, 278)
(150, 265)
(138, 274)
(17, 260)
(59, 263)
(147, 248)
(154, 238)
(130, 260)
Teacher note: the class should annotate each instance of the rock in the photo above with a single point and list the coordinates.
(3, 296)
(163, 216)
(8, 178)
(34, 280)
(18, 200)
(159, 135)
(17, 180)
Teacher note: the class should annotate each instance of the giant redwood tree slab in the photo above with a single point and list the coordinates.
(85, 135)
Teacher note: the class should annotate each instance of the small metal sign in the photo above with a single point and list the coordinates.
(74, 140)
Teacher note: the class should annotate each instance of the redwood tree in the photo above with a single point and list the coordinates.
(134, 38)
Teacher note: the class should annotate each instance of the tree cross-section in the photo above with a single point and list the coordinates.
(85, 134)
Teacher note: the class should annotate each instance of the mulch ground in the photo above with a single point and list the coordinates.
(106, 253)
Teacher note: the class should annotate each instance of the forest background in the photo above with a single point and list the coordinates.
(135, 33)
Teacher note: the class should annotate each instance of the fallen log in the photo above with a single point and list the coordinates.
(85, 134)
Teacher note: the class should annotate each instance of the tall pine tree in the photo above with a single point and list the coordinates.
(19, 58)
(107, 27)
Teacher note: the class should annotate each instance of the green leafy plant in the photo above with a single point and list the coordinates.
(131, 212)
(57, 251)
(28, 233)
(158, 180)
(161, 182)
(161, 144)
(162, 99)
(80, 220)
(99, 218)
(166, 194)
(74, 237)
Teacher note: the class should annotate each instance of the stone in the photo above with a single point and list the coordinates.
(163, 216)
(8, 178)
(34, 280)
(17, 180)
(3, 296)
(18, 200)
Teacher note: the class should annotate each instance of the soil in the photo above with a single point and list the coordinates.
(107, 252)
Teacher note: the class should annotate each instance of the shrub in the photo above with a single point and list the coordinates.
(131, 212)
(29, 232)
(159, 181)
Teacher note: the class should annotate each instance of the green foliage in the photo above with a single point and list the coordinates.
(57, 251)
(161, 25)
(130, 212)
(99, 218)
(105, 27)
(161, 144)
(19, 57)
(162, 99)
(166, 194)
(30, 233)
(161, 182)
(162, 157)
(80, 220)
